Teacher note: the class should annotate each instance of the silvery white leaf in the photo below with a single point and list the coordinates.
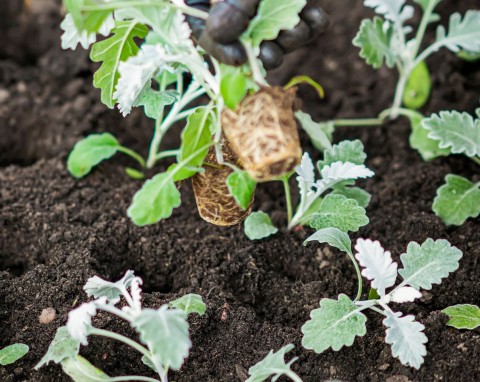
(378, 264)
(98, 287)
(393, 10)
(463, 33)
(406, 337)
(306, 170)
(339, 171)
(80, 320)
(71, 36)
(405, 294)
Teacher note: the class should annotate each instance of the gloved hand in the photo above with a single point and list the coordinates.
(228, 19)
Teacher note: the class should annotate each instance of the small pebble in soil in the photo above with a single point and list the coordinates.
(462, 347)
(47, 315)
(384, 367)
(4, 95)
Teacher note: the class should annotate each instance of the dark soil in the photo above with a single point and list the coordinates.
(56, 232)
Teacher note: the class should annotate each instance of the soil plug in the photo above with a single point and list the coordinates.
(215, 203)
(262, 131)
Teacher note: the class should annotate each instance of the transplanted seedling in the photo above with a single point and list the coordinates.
(163, 331)
(338, 321)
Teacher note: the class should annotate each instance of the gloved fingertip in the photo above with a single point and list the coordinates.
(226, 23)
(316, 19)
(290, 40)
(231, 54)
(271, 55)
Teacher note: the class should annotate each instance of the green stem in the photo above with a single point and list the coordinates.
(133, 378)
(132, 154)
(166, 154)
(293, 376)
(127, 341)
(476, 160)
(359, 276)
(399, 91)
(252, 60)
(288, 197)
(423, 27)
(357, 122)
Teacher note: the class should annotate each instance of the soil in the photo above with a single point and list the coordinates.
(56, 232)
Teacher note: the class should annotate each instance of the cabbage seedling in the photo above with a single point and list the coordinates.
(338, 321)
(163, 331)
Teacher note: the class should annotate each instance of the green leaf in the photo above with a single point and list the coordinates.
(195, 136)
(463, 34)
(463, 316)
(345, 151)
(154, 102)
(165, 332)
(427, 147)
(12, 353)
(259, 225)
(90, 151)
(242, 187)
(333, 237)
(146, 361)
(233, 86)
(338, 211)
(468, 56)
(111, 51)
(80, 370)
(457, 131)
(319, 133)
(457, 200)
(272, 17)
(134, 173)
(361, 196)
(155, 200)
(419, 86)
(63, 346)
(190, 303)
(272, 366)
(335, 324)
(90, 21)
(429, 263)
(374, 39)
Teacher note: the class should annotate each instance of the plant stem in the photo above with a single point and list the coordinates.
(293, 376)
(359, 276)
(288, 197)
(252, 60)
(166, 154)
(107, 333)
(399, 91)
(476, 160)
(423, 27)
(132, 154)
(357, 122)
(133, 378)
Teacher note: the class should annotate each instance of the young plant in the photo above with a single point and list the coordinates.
(338, 321)
(147, 52)
(163, 331)
(457, 133)
(343, 207)
(12, 353)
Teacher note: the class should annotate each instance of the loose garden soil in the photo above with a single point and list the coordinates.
(56, 232)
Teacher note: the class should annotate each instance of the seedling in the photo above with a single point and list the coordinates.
(337, 322)
(12, 353)
(144, 60)
(163, 331)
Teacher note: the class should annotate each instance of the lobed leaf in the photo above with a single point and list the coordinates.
(340, 171)
(63, 346)
(427, 147)
(259, 226)
(190, 303)
(457, 200)
(155, 101)
(406, 337)
(429, 263)
(345, 151)
(273, 365)
(335, 324)
(393, 10)
(377, 263)
(457, 131)
(405, 294)
(463, 316)
(333, 237)
(361, 196)
(12, 353)
(165, 332)
(463, 33)
(97, 287)
(80, 370)
(338, 211)
(155, 200)
(242, 187)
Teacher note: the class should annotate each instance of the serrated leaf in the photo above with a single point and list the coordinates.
(190, 303)
(118, 48)
(90, 151)
(463, 33)
(377, 263)
(405, 294)
(374, 39)
(335, 324)
(273, 365)
(345, 151)
(90, 21)
(393, 10)
(463, 316)
(333, 237)
(259, 226)
(165, 332)
(320, 133)
(71, 36)
(12, 353)
(63, 346)
(418, 88)
(457, 131)
(272, 17)
(361, 196)
(97, 287)
(339, 212)
(429, 263)
(242, 187)
(155, 200)
(306, 170)
(195, 136)
(154, 102)
(340, 171)
(427, 147)
(406, 337)
(457, 200)
(80, 370)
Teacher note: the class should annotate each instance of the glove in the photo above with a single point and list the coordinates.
(228, 19)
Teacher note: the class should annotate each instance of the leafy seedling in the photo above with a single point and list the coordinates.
(163, 331)
(12, 353)
(339, 321)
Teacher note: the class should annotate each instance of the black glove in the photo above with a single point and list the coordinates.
(228, 19)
